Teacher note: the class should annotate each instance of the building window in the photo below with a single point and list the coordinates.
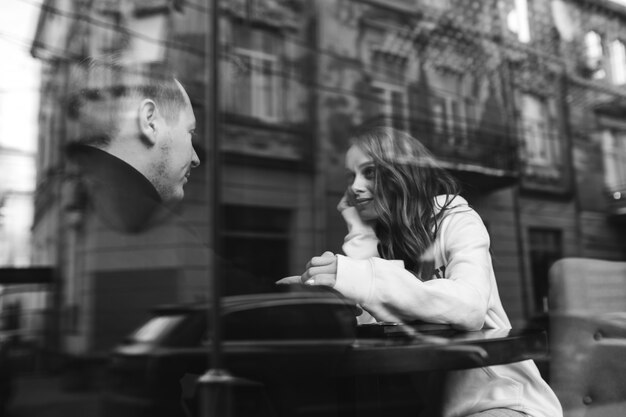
(618, 62)
(108, 39)
(614, 152)
(387, 50)
(388, 87)
(517, 21)
(255, 86)
(452, 117)
(389, 61)
(391, 104)
(453, 111)
(50, 138)
(594, 53)
(255, 246)
(539, 130)
(545, 249)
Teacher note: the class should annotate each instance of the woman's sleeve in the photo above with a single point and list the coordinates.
(391, 293)
(361, 241)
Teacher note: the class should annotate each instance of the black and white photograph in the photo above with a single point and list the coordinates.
(312, 208)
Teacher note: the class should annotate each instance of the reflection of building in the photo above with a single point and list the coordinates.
(474, 82)
(16, 202)
(21, 303)
(520, 100)
(109, 279)
(18, 133)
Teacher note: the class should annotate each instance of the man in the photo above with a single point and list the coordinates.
(133, 143)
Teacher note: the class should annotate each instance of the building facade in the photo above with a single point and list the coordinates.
(520, 99)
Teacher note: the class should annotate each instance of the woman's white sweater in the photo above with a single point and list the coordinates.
(462, 292)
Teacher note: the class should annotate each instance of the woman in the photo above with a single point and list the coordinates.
(416, 250)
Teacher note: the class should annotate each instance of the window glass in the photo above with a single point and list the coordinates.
(539, 131)
(390, 104)
(594, 55)
(254, 87)
(452, 107)
(545, 249)
(440, 117)
(614, 153)
(517, 21)
(398, 109)
(248, 192)
(618, 62)
(256, 242)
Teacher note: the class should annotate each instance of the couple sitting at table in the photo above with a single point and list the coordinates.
(415, 249)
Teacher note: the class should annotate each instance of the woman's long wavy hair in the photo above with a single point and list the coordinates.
(406, 182)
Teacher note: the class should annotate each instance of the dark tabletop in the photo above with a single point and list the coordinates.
(409, 352)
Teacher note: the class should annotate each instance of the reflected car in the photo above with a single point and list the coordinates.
(153, 372)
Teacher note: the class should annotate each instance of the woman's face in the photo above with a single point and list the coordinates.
(361, 172)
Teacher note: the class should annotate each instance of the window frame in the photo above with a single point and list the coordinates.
(541, 149)
(542, 250)
(520, 13)
(595, 63)
(456, 126)
(255, 224)
(617, 59)
(387, 104)
(258, 81)
(614, 166)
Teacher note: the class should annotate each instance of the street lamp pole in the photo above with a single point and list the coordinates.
(216, 383)
(212, 110)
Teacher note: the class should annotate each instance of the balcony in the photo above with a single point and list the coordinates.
(482, 158)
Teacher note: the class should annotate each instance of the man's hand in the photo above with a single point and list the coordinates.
(321, 270)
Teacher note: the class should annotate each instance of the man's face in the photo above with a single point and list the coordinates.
(176, 155)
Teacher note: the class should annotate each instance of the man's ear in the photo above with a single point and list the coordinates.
(147, 120)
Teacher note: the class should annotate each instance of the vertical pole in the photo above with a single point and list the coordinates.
(213, 183)
(216, 384)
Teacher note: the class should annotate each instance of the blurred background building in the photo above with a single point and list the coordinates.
(19, 98)
(522, 100)
(22, 302)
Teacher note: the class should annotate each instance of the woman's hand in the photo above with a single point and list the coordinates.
(344, 203)
(321, 270)
(294, 279)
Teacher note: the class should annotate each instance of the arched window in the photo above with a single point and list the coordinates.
(618, 62)
(594, 55)
(517, 21)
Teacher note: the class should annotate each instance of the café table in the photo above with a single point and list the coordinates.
(418, 351)
(377, 373)
(298, 354)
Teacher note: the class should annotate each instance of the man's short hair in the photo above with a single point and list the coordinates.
(100, 88)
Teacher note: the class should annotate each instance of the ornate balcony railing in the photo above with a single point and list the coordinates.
(483, 156)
